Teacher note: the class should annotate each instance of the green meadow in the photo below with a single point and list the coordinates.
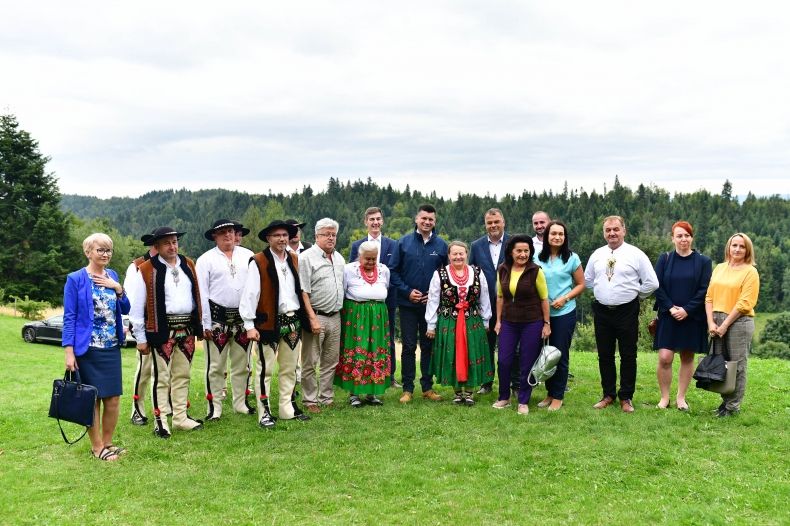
(425, 463)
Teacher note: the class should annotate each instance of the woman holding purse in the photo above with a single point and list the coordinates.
(93, 334)
(729, 305)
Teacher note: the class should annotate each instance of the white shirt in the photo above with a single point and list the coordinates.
(494, 249)
(178, 297)
(221, 280)
(435, 289)
(358, 289)
(620, 275)
(289, 301)
(376, 240)
(537, 244)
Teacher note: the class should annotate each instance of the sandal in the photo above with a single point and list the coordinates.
(106, 455)
(117, 450)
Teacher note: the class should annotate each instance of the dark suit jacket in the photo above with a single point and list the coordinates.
(388, 248)
(480, 256)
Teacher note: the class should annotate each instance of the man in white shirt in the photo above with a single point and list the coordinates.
(488, 252)
(540, 220)
(273, 313)
(142, 376)
(321, 276)
(620, 275)
(222, 272)
(168, 325)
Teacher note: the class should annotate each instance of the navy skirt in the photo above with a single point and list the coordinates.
(101, 368)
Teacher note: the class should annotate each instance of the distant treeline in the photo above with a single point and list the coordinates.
(649, 212)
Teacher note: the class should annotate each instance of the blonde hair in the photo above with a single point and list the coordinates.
(96, 239)
(749, 258)
(614, 218)
(458, 243)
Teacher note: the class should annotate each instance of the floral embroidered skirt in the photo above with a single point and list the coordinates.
(480, 368)
(364, 365)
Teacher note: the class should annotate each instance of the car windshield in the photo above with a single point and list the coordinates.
(55, 320)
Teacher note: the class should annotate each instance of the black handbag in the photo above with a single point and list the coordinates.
(716, 372)
(73, 401)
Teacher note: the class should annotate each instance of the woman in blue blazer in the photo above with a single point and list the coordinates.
(93, 303)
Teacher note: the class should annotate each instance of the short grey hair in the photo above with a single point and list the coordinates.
(367, 247)
(96, 239)
(326, 223)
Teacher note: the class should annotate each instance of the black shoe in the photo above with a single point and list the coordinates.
(355, 401)
(267, 422)
(139, 420)
(484, 389)
(161, 433)
(373, 400)
(468, 400)
(458, 399)
(301, 417)
(212, 418)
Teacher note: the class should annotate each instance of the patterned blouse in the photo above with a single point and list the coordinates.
(104, 334)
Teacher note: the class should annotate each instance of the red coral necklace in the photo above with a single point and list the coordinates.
(372, 278)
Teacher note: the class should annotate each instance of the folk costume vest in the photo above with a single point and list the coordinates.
(267, 320)
(153, 273)
(525, 307)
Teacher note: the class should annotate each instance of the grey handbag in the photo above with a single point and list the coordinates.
(546, 364)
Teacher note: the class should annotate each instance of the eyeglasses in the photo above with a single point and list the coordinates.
(328, 235)
(104, 251)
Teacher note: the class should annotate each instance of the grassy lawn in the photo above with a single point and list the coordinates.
(426, 463)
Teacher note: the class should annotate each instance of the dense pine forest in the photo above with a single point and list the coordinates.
(649, 212)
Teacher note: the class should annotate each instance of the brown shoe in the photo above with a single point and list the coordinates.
(626, 406)
(605, 402)
(312, 408)
(432, 395)
(406, 398)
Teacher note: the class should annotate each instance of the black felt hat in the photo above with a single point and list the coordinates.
(274, 225)
(224, 223)
(158, 233)
(296, 223)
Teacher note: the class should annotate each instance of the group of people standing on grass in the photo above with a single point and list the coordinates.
(326, 323)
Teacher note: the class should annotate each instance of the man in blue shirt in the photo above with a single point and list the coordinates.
(418, 256)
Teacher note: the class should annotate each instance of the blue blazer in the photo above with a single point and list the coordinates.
(480, 256)
(388, 248)
(78, 311)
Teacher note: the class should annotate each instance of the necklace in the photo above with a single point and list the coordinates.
(174, 272)
(462, 277)
(372, 278)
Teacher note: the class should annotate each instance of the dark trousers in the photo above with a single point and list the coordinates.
(562, 328)
(523, 336)
(413, 327)
(617, 327)
(391, 311)
(514, 370)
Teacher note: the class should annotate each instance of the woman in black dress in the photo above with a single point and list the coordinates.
(683, 276)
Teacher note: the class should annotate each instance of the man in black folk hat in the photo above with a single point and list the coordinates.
(273, 312)
(295, 243)
(142, 376)
(166, 318)
(222, 272)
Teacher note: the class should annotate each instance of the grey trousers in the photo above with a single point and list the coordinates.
(320, 350)
(739, 343)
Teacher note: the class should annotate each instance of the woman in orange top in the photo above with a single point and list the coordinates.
(729, 305)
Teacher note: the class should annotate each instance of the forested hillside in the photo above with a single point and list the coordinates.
(649, 213)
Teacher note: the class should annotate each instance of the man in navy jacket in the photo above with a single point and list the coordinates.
(488, 252)
(374, 220)
(418, 256)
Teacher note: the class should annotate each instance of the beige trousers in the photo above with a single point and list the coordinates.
(216, 365)
(321, 350)
(265, 359)
(172, 380)
(142, 382)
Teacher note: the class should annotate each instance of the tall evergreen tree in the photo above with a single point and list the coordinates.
(34, 232)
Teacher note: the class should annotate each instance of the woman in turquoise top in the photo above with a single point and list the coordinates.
(565, 280)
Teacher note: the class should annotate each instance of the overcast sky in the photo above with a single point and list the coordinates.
(452, 96)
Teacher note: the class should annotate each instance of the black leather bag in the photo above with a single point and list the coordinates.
(73, 401)
(716, 372)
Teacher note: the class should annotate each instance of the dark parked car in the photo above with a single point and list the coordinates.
(51, 330)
